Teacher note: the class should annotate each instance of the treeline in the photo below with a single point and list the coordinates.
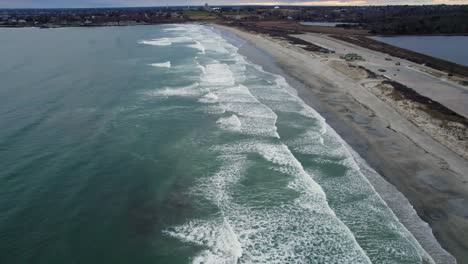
(89, 16)
(426, 19)
(419, 20)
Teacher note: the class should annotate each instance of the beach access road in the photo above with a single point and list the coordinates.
(424, 80)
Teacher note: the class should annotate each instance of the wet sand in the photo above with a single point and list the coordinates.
(430, 176)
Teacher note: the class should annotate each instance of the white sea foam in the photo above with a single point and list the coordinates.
(256, 118)
(157, 42)
(218, 236)
(217, 74)
(178, 28)
(191, 90)
(306, 143)
(279, 233)
(209, 98)
(275, 226)
(199, 46)
(166, 64)
(232, 123)
(250, 235)
(278, 154)
(306, 109)
(332, 147)
(166, 41)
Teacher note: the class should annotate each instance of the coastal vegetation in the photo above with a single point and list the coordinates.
(388, 20)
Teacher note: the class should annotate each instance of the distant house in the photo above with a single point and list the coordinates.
(276, 7)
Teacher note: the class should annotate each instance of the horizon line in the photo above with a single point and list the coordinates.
(256, 4)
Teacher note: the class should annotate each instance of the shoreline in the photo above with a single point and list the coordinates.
(392, 152)
(284, 29)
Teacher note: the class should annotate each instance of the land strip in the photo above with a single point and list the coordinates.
(438, 64)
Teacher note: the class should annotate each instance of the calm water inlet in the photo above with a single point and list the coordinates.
(450, 48)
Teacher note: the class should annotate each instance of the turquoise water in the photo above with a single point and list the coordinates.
(162, 144)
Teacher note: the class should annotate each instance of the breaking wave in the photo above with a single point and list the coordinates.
(270, 190)
(166, 64)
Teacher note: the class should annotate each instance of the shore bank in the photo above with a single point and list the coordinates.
(358, 37)
(428, 174)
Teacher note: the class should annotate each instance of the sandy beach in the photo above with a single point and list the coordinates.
(403, 139)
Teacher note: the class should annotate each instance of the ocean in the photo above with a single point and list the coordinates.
(164, 144)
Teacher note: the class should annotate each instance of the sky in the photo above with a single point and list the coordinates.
(128, 3)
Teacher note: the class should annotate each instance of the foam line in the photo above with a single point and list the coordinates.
(249, 234)
(191, 90)
(232, 123)
(349, 160)
(199, 46)
(217, 74)
(166, 64)
(166, 41)
(156, 42)
(275, 226)
(241, 233)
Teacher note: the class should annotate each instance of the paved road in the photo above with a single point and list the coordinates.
(448, 93)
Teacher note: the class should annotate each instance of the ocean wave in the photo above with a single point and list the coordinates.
(176, 28)
(256, 118)
(190, 90)
(217, 74)
(209, 98)
(166, 41)
(334, 151)
(281, 232)
(166, 64)
(199, 46)
(156, 42)
(286, 213)
(253, 232)
(230, 123)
